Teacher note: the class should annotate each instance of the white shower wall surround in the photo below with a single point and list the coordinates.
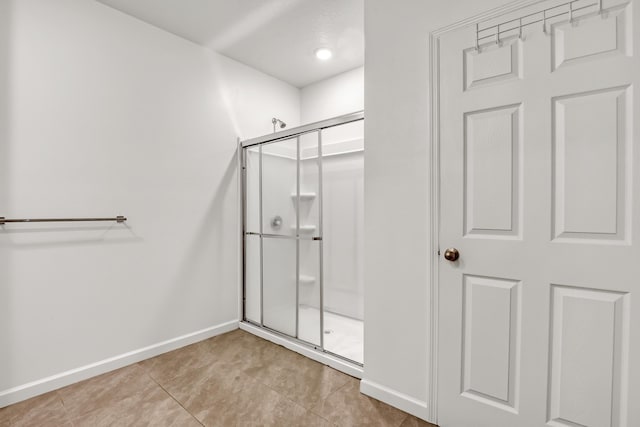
(343, 181)
(343, 233)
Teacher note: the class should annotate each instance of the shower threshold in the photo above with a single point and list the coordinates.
(335, 361)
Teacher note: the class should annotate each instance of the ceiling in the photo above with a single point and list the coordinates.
(278, 37)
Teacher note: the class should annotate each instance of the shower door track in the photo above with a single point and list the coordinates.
(316, 352)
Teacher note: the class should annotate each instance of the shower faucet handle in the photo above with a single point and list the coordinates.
(276, 222)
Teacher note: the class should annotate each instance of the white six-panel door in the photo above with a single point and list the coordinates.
(539, 321)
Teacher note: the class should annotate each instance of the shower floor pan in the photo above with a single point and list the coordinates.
(343, 336)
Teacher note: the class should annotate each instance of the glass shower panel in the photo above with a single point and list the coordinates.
(252, 189)
(252, 265)
(343, 237)
(309, 280)
(309, 323)
(279, 186)
(309, 186)
(279, 284)
(252, 309)
(279, 228)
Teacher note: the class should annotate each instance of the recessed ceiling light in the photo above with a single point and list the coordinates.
(323, 54)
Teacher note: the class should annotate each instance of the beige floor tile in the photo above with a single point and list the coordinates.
(203, 388)
(306, 382)
(235, 379)
(174, 363)
(242, 347)
(348, 407)
(154, 408)
(105, 390)
(309, 419)
(255, 404)
(239, 347)
(412, 421)
(282, 358)
(45, 410)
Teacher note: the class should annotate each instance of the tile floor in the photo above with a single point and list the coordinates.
(235, 379)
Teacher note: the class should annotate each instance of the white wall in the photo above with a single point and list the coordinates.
(397, 183)
(100, 115)
(341, 94)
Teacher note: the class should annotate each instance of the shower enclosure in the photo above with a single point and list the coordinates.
(302, 231)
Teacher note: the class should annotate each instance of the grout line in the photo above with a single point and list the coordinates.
(260, 381)
(64, 407)
(326, 397)
(403, 420)
(343, 385)
(148, 373)
(73, 419)
(324, 418)
(176, 400)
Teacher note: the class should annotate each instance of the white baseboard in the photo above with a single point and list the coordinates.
(327, 359)
(394, 398)
(54, 382)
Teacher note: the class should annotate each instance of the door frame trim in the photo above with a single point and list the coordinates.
(434, 189)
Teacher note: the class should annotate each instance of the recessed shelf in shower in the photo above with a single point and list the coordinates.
(305, 228)
(306, 280)
(304, 196)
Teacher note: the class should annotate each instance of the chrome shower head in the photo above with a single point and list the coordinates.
(275, 121)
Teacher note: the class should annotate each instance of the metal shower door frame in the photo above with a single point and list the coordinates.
(288, 134)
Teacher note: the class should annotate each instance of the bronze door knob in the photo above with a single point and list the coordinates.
(451, 254)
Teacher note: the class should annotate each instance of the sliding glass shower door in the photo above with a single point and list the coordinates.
(279, 179)
(283, 236)
(309, 203)
(303, 234)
